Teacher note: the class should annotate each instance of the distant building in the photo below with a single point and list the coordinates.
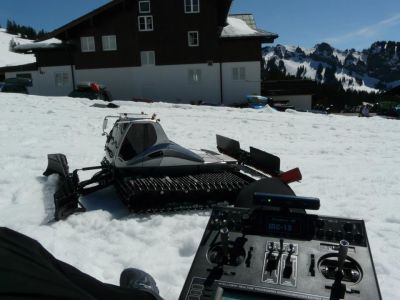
(169, 50)
(394, 93)
(298, 93)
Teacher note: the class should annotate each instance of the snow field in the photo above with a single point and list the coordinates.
(350, 163)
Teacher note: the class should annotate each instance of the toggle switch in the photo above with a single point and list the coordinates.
(288, 269)
(312, 266)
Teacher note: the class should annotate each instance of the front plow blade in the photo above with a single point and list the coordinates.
(57, 164)
(66, 197)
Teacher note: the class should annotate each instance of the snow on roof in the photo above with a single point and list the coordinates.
(248, 18)
(8, 58)
(237, 27)
(47, 44)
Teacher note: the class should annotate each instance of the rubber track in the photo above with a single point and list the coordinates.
(177, 193)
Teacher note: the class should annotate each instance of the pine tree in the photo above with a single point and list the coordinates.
(282, 67)
(301, 71)
(318, 76)
(25, 31)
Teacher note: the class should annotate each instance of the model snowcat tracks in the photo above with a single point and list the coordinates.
(170, 193)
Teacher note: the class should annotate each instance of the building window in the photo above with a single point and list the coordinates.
(193, 38)
(148, 58)
(192, 6)
(239, 73)
(145, 23)
(109, 42)
(61, 79)
(144, 6)
(87, 44)
(194, 76)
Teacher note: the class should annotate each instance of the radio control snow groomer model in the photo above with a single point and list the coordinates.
(153, 174)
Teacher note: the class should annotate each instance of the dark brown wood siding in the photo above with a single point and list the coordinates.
(52, 58)
(234, 50)
(169, 39)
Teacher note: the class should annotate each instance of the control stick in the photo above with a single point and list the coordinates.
(343, 249)
(338, 288)
(225, 241)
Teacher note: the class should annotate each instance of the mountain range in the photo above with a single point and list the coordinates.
(371, 70)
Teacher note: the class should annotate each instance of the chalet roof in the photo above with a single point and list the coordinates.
(244, 26)
(288, 87)
(248, 18)
(19, 68)
(83, 18)
(223, 4)
(393, 92)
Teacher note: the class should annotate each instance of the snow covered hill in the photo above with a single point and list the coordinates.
(350, 163)
(370, 70)
(8, 58)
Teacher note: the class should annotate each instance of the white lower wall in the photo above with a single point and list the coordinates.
(164, 83)
(301, 102)
(44, 81)
(235, 91)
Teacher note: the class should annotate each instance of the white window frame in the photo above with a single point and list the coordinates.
(148, 58)
(144, 11)
(189, 6)
(107, 44)
(239, 73)
(194, 76)
(190, 41)
(86, 42)
(146, 25)
(61, 79)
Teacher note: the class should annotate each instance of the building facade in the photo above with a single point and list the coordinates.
(183, 51)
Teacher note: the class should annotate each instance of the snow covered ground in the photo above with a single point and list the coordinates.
(352, 164)
(8, 58)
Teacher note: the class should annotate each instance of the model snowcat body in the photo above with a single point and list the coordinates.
(152, 173)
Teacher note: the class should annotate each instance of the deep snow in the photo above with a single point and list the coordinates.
(350, 163)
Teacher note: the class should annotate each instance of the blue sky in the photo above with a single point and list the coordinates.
(343, 23)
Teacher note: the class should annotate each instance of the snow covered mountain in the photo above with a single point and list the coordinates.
(9, 58)
(373, 69)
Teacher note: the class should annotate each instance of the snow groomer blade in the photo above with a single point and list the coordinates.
(66, 197)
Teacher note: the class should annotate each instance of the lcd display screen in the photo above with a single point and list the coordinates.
(283, 226)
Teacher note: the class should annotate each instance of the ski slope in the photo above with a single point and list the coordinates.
(352, 164)
(8, 58)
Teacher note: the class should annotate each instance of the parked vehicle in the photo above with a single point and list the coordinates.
(92, 91)
(16, 85)
(257, 102)
(389, 108)
(281, 105)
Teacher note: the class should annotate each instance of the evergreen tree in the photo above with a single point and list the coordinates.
(282, 67)
(318, 76)
(301, 71)
(41, 34)
(25, 31)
